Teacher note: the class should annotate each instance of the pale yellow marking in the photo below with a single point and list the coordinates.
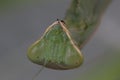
(68, 34)
(56, 22)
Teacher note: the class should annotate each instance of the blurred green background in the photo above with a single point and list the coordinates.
(23, 21)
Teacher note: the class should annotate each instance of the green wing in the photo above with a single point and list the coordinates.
(56, 49)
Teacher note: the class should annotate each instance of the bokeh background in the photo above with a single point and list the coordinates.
(22, 22)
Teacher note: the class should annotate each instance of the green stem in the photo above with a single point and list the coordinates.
(82, 18)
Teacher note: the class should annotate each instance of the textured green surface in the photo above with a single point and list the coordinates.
(82, 18)
(55, 49)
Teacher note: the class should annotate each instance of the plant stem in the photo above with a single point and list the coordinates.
(82, 18)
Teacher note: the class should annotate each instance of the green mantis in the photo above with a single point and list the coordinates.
(59, 47)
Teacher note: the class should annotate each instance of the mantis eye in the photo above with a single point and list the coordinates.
(56, 49)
